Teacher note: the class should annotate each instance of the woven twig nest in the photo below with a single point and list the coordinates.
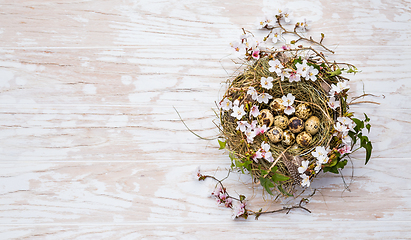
(280, 170)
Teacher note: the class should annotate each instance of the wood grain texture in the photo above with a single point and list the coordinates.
(92, 148)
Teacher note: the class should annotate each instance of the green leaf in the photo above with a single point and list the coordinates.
(368, 150)
(264, 172)
(341, 164)
(352, 70)
(232, 156)
(366, 118)
(364, 141)
(242, 198)
(222, 144)
(267, 184)
(359, 124)
(284, 192)
(368, 126)
(352, 136)
(277, 177)
(333, 169)
(335, 73)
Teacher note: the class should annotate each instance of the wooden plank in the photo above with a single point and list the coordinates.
(223, 229)
(167, 192)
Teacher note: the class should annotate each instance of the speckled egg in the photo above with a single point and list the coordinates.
(296, 125)
(288, 138)
(277, 106)
(266, 118)
(275, 134)
(303, 139)
(312, 125)
(303, 111)
(281, 121)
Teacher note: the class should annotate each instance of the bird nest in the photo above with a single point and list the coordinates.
(285, 119)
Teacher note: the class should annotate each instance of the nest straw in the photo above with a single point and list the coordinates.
(308, 92)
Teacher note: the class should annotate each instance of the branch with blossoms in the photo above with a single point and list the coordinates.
(239, 206)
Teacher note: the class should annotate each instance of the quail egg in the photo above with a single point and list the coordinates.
(312, 125)
(296, 125)
(266, 118)
(281, 121)
(277, 106)
(304, 139)
(288, 138)
(303, 111)
(275, 134)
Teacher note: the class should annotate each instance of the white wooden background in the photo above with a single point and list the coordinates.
(91, 147)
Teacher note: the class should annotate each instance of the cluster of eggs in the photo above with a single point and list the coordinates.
(283, 129)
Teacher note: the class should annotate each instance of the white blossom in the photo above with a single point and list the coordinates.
(346, 121)
(242, 125)
(303, 167)
(238, 112)
(254, 94)
(264, 98)
(226, 104)
(320, 154)
(250, 134)
(302, 69)
(276, 35)
(285, 14)
(267, 83)
(238, 209)
(288, 100)
(311, 74)
(305, 181)
(285, 73)
(317, 168)
(275, 66)
(333, 103)
(339, 87)
(238, 47)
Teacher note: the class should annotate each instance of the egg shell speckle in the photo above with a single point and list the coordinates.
(303, 111)
(266, 118)
(281, 121)
(275, 134)
(296, 125)
(288, 138)
(312, 125)
(304, 139)
(277, 106)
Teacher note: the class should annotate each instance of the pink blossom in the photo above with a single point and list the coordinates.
(261, 130)
(256, 54)
(257, 155)
(228, 202)
(254, 111)
(238, 210)
(217, 191)
(294, 77)
(286, 47)
(289, 110)
(345, 149)
(253, 125)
